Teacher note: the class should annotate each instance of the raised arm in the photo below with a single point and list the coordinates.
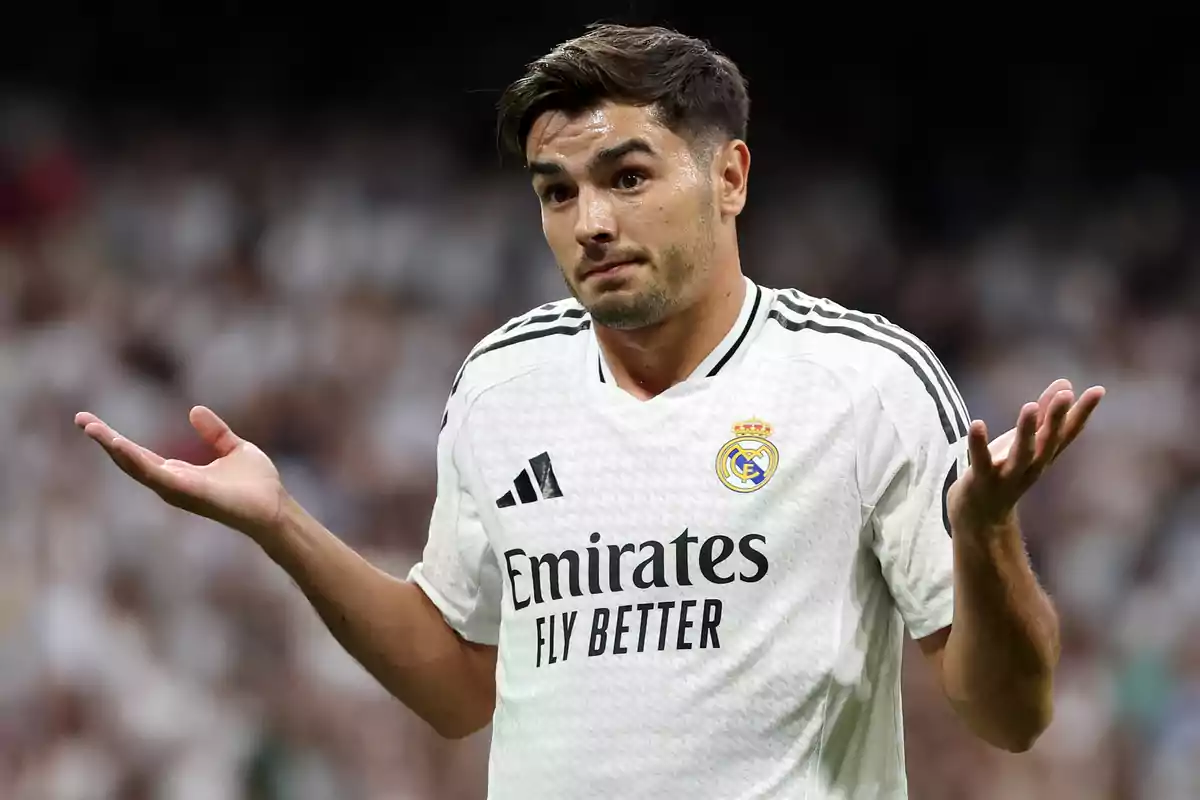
(389, 625)
(997, 661)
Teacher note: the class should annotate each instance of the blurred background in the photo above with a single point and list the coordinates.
(299, 218)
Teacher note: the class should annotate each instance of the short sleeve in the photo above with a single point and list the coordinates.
(458, 570)
(912, 447)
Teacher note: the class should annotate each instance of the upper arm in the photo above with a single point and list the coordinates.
(458, 570)
(913, 428)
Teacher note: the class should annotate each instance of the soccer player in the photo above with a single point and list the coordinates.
(683, 521)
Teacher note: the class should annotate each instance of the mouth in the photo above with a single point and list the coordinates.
(609, 269)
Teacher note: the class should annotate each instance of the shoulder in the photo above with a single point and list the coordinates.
(822, 329)
(542, 335)
(870, 353)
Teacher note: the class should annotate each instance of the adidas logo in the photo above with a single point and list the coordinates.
(543, 476)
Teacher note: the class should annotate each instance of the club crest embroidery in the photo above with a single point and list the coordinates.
(748, 460)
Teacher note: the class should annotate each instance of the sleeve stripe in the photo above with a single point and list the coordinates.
(495, 342)
(880, 326)
(530, 318)
(951, 477)
(873, 338)
(577, 313)
(520, 338)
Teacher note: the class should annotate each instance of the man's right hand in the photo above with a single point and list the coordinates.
(389, 625)
(240, 489)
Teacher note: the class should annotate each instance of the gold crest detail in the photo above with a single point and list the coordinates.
(748, 460)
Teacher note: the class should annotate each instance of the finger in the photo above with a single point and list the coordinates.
(96, 429)
(1024, 445)
(85, 418)
(114, 444)
(1079, 415)
(1049, 394)
(977, 448)
(1050, 435)
(144, 465)
(1060, 385)
(113, 448)
(144, 452)
(213, 430)
(106, 437)
(99, 431)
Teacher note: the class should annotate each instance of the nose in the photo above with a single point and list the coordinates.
(596, 223)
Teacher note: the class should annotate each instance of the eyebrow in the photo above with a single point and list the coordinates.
(604, 158)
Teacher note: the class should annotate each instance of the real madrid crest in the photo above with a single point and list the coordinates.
(748, 460)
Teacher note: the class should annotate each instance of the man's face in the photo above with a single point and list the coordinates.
(627, 208)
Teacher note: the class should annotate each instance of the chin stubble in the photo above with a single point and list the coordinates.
(653, 303)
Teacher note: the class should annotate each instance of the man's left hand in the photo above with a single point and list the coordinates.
(986, 495)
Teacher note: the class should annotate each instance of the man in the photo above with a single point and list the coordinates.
(682, 521)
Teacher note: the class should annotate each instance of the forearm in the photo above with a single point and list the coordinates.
(1003, 647)
(388, 625)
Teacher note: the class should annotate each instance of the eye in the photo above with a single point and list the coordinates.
(629, 179)
(556, 193)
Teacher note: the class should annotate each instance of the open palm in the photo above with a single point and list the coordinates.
(241, 488)
(1001, 472)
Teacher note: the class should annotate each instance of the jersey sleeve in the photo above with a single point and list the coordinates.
(458, 570)
(913, 446)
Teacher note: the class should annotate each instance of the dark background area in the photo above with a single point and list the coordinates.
(961, 110)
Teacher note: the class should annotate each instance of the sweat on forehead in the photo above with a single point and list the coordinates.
(595, 126)
(602, 135)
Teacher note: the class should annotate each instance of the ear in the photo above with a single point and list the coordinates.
(731, 170)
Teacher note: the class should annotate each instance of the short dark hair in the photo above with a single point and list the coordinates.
(696, 90)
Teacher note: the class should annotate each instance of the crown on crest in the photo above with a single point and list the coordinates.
(752, 427)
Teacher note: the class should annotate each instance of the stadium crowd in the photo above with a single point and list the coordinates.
(320, 291)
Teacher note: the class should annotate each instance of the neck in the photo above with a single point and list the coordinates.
(648, 361)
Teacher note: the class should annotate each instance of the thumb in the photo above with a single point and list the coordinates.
(213, 431)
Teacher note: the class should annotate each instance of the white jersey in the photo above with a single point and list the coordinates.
(702, 595)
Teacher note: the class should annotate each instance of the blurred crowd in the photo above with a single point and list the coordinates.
(320, 289)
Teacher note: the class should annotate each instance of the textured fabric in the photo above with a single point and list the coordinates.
(702, 595)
